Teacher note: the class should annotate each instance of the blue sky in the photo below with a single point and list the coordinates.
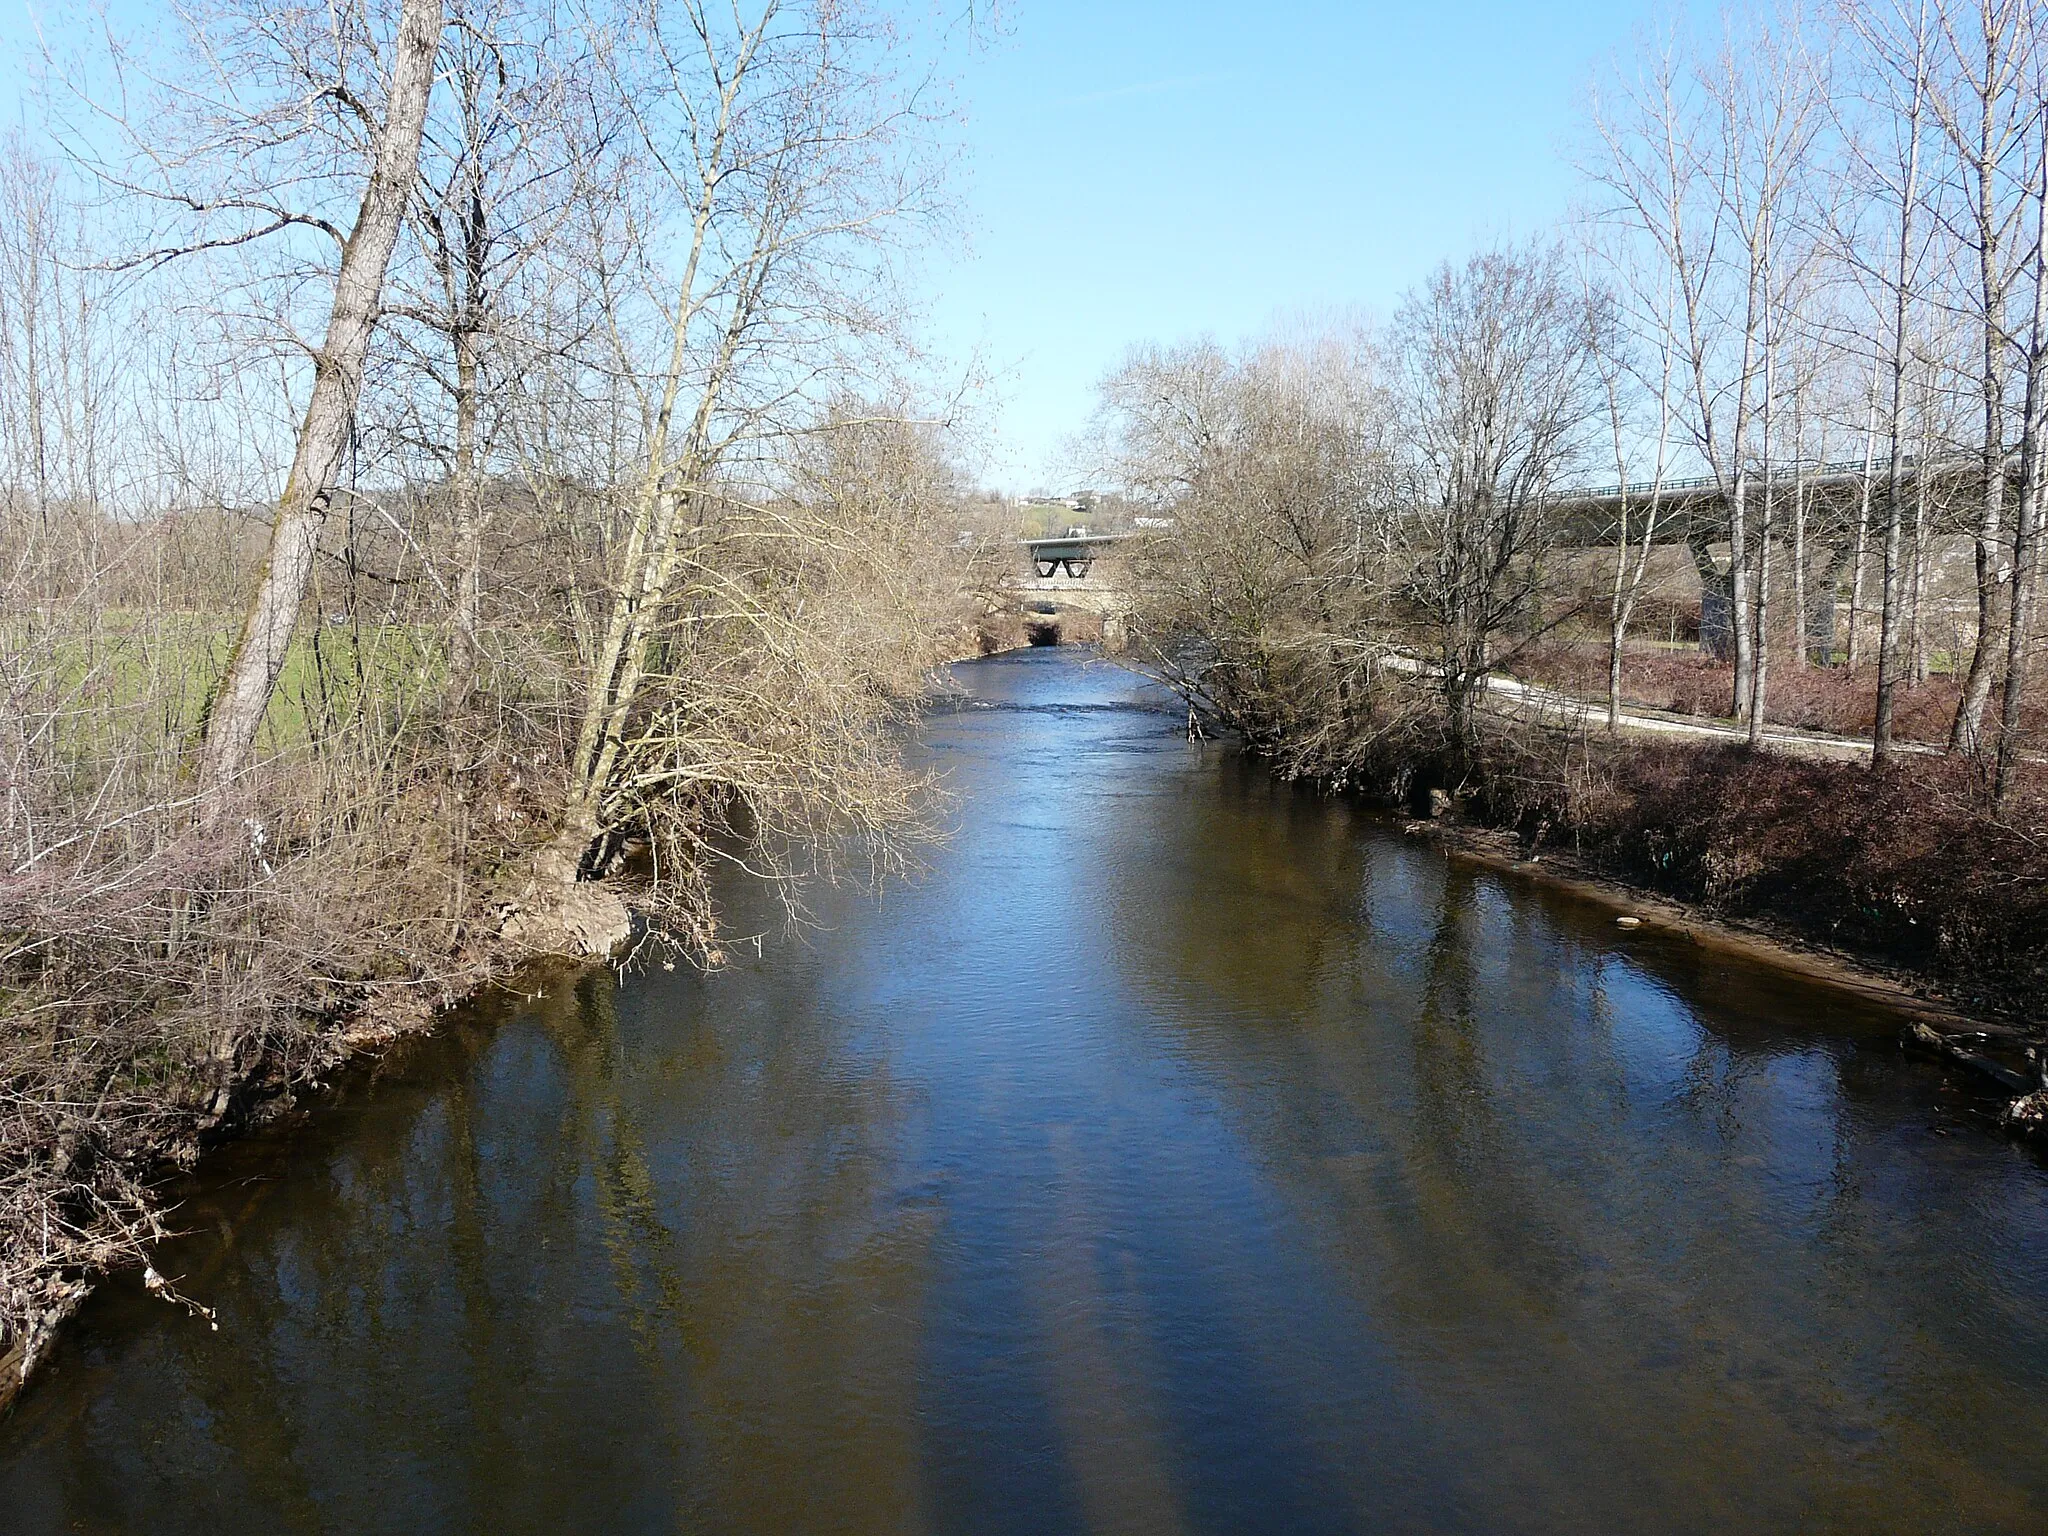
(1146, 170)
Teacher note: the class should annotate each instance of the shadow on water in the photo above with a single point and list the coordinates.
(1186, 1152)
(1665, 1237)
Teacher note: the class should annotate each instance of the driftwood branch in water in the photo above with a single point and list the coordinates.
(1924, 1037)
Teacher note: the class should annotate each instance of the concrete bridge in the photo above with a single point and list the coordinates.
(1074, 552)
(1069, 589)
(1697, 505)
(1692, 513)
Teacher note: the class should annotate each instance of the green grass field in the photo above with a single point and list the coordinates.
(153, 674)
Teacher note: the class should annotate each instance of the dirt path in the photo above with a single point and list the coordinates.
(1539, 701)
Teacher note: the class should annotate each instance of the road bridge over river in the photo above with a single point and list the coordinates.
(1072, 585)
(1835, 493)
(1828, 502)
(1079, 572)
(1074, 552)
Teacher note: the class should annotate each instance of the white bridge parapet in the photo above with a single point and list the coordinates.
(1072, 553)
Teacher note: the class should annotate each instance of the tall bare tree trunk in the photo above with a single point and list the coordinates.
(1760, 658)
(466, 656)
(1853, 651)
(2033, 464)
(467, 651)
(1802, 646)
(1628, 583)
(1739, 587)
(1802, 639)
(259, 654)
(1888, 623)
(38, 246)
(1916, 628)
(1617, 612)
(461, 240)
(1760, 652)
(1738, 527)
(1984, 158)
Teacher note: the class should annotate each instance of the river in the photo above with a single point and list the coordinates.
(1182, 1151)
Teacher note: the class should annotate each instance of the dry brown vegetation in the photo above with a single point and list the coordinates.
(612, 546)
(1828, 699)
(1908, 866)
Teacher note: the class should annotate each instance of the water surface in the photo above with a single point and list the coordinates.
(1184, 1152)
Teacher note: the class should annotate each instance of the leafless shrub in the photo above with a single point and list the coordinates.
(618, 441)
(1909, 865)
(166, 977)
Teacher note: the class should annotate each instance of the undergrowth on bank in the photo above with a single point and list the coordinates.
(1908, 866)
(166, 979)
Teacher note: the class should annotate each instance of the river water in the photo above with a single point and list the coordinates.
(1182, 1152)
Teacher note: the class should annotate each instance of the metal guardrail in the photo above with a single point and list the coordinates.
(1087, 538)
(1832, 469)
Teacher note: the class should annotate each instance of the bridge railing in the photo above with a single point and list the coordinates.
(1779, 474)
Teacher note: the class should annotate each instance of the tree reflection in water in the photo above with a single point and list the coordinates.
(1184, 1152)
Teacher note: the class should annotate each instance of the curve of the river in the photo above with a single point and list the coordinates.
(1180, 1152)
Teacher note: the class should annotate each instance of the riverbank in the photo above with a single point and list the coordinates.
(1909, 872)
(129, 1055)
(1992, 1051)
(1902, 884)
(1232, 1120)
(175, 969)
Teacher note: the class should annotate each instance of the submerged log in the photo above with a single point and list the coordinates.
(1925, 1037)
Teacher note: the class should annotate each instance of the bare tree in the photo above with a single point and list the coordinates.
(1701, 164)
(1268, 606)
(1648, 306)
(2033, 471)
(232, 177)
(1660, 174)
(786, 153)
(1886, 162)
(1978, 99)
(517, 139)
(1498, 391)
(1853, 646)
